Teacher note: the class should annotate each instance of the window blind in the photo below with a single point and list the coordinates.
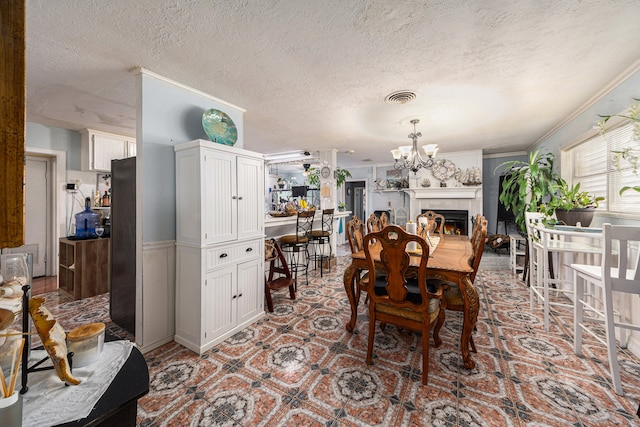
(594, 166)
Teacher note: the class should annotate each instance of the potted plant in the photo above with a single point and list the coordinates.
(342, 206)
(340, 175)
(570, 205)
(526, 184)
(314, 177)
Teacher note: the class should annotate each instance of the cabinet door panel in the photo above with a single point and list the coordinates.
(131, 148)
(106, 149)
(250, 289)
(250, 197)
(218, 195)
(218, 303)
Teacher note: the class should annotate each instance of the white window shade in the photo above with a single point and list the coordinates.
(593, 166)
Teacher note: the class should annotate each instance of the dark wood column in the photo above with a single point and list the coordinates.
(12, 122)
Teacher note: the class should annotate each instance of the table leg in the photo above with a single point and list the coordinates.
(471, 308)
(349, 287)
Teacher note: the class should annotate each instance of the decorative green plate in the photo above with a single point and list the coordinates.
(219, 127)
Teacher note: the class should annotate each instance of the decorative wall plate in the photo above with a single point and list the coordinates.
(219, 127)
(443, 169)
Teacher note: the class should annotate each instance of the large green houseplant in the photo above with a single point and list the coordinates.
(526, 184)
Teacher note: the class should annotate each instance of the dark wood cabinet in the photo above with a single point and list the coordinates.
(84, 267)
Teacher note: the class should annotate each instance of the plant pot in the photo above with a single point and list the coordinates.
(572, 217)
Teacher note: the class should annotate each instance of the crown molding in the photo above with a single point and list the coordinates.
(139, 70)
(615, 82)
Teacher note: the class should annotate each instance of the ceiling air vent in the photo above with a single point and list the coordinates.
(400, 97)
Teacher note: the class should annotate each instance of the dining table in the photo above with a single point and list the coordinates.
(448, 261)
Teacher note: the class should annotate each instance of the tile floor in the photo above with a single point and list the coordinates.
(299, 366)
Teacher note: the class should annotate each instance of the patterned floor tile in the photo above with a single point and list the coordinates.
(165, 391)
(289, 360)
(544, 393)
(299, 366)
(300, 415)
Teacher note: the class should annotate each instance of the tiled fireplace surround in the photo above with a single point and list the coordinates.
(451, 197)
(464, 198)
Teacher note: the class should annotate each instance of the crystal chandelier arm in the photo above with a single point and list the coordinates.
(408, 156)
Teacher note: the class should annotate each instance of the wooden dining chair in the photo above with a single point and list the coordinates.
(398, 297)
(384, 220)
(355, 235)
(435, 222)
(373, 224)
(452, 293)
(475, 231)
(279, 276)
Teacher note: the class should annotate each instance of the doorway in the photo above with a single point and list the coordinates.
(39, 218)
(356, 198)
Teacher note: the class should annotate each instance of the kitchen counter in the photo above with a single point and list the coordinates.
(271, 221)
(275, 227)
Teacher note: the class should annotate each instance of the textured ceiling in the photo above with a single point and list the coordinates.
(493, 74)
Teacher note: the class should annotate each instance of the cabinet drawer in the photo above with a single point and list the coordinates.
(223, 255)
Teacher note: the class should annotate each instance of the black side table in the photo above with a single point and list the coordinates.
(118, 406)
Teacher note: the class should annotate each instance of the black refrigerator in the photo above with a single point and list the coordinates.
(122, 301)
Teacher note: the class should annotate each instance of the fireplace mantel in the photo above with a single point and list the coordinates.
(444, 192)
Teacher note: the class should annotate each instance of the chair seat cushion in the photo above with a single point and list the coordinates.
(408, 313)
(320, 233)
(292, 239)
(414, 291)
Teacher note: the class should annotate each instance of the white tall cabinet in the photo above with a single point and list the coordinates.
(219, 242)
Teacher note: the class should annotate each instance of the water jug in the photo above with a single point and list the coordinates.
(86, 222)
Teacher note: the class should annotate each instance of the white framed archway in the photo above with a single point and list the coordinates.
(59, 162)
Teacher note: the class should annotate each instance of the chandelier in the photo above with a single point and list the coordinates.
(408, 156)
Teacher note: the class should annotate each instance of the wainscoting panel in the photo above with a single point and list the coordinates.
(158, 294)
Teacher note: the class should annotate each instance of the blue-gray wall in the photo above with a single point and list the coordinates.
(52, 138)
(169, 115)
(615, 101)
(491, 190)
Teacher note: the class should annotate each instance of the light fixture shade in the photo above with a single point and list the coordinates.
(408, 156)
(430, 149)
(405, 150)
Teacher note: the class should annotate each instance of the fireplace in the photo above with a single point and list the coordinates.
(455, 221)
